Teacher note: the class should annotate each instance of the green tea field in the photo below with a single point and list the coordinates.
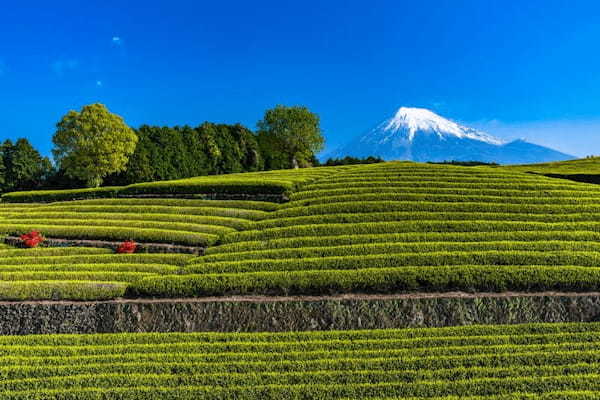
(537, 361)
(381, 229)
(384, 228)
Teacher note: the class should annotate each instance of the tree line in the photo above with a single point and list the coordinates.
(94, 146)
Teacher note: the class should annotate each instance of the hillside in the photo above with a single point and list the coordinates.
(399, 227)
(395, 227)
(388, 245)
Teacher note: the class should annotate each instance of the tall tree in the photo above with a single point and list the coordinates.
(289, 137)
(23, 166)
(92, 143)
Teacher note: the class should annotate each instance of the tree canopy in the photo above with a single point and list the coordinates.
(180, 152)
(22, 167)
(92, 143)
(289, 137)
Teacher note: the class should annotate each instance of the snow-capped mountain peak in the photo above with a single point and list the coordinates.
(421, 135)
(410, 120)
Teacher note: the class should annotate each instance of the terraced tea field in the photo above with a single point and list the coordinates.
(539, 361)
(381, 228)
(77, 273)
(179, 221)
(384, 228)
(401, 227)
(281, 182)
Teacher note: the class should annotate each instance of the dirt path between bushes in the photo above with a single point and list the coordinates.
(342, 297)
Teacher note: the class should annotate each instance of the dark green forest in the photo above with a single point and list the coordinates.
(287, 137)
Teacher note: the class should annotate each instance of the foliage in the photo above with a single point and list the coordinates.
(348, 160)
(281, 182)
(61, 290)
(77, 273)
(59, 195)
(465, 163)
(116, 233)
(92, 143)
(127, 247)
(289, 137)
(22, 167)
(493, 362)
(480, 278)
(32, 239)
(165, 153)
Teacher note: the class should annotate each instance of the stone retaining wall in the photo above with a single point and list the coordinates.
(288, 314)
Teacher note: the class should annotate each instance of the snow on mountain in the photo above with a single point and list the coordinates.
(419, 134)
(408, 121)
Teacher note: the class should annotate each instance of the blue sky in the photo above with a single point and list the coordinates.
(518, 69)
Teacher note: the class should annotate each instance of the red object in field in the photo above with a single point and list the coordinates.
(127, 246)
(32, 239)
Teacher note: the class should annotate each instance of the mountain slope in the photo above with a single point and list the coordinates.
(418, 134)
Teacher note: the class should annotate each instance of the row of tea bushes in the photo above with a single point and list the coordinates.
(78, 273)
(497, 362)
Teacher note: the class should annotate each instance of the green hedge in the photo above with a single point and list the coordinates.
(397, 248)
(61, 290)
(493, 388)
(82, 221)
(114, 234)
(295, 372)
(235, 223)
(114, 380)
(443, 198)
(295, 210)
(410, 237)
(441, 258)
(375, 280)
(82, 267)
(241, 204)
(44, 196)
(557, 192)
(475, 183)
(208, 186)
(94, 276)
(52, 251)
(146, 209)
(169, 259)
(531, 333)
(407, 227)
(352, 218)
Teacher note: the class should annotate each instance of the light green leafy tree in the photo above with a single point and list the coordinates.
(92, 143)
(289, 137)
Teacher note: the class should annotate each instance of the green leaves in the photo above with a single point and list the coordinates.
(289, 136)
(92, 143)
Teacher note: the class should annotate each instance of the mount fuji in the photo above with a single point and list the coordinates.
(418, 134)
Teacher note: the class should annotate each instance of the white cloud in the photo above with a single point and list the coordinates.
(64, 66)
